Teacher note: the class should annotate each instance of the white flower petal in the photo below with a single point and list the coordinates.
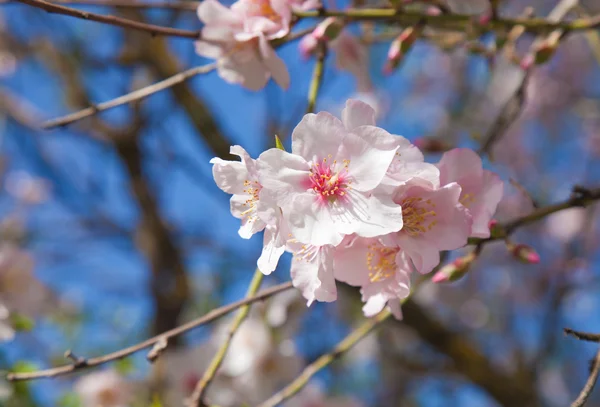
(357, 113)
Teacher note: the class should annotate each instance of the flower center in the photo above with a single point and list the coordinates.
(252, 189)
(329, 180)
(417, 215)
(467, 199)
(381, 262)
(262, 8)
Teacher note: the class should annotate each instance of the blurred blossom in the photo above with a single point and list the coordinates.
(285, 308)
(474, 313)
(553, 387)
(564, 225)
(5, 390)
(105, 388)
(26, 188)
(312, 396)
(19, 289)
(353, 56)
(256, 365)
(7, 332)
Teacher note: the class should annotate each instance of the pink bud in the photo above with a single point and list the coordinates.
(492, 223)
(307, 46)
(328, 29)
(525, 253)
(485, 18)
(400, 47)
(456, 270)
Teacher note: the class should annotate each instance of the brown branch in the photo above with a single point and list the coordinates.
(516, 389)
(130, 97)
(212, 315)
(584, 336)
(112, 20)
(590, 383)
(169, 5)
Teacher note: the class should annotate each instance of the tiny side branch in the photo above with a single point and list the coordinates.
(111, 20)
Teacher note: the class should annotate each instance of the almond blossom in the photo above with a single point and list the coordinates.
(481, 189)
(324, 187)
(381, 270)
(238, 38)
(434, 220)
(251, 204)
(104, 388)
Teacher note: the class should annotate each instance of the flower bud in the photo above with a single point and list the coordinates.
(400, 47)
(524, 253)
(307, 46)
(456, 270)
(496, 230)
(328, 29)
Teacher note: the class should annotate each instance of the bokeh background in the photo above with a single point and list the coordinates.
(112, 229)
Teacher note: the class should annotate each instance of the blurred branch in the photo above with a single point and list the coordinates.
(455, 21)
(130, 97)
(111, 20)
(197, 397)
(584, 336)
(120, 354)
(591, 382)
(508, 391)
(325, 360)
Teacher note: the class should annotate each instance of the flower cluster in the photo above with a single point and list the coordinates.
(357, 204)
(239, 38)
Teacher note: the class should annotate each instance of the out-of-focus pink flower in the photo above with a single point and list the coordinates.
(324, 187)
(7, 332)
(26, 188)
(481, 189)
(251, 204)
(433, 221)
(238, 38)
(103, 389)
(382, 272)
(353, 56)
(565, 225)
(313, 396)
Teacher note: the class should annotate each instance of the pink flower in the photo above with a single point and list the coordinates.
(250, 203)
(324, 187)
(433, 221)
(381, 270)
(312, 271)
(481, 189)
(104, 388)
(238, 38)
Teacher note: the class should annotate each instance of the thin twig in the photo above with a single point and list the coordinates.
(197, 397)
(212, 315)
(111, 20)
(454, 21)
(584, 336)
(169, 5)
(590, 383)
(317, 78)
(345, 345)
(130, 97)
(154, 88)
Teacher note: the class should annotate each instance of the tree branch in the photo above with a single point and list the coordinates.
(130, 97)
(120, 354)
(589, 384)
(454, 21)
(169, 5)
(584, 336)
(112, 20)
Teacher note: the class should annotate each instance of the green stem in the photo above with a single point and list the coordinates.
(317, 78)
